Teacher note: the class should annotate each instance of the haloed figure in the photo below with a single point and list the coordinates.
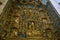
(44, 2)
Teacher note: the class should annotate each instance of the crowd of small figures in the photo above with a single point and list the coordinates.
(24, 21)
